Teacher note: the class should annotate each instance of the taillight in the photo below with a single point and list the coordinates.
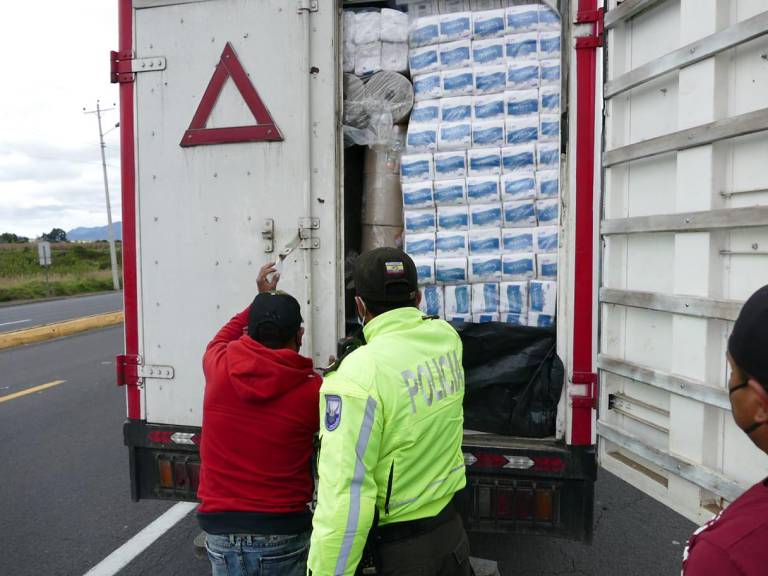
(548, 464)
(165, 469)
(494, 461)
(171, 437)
(178, 474)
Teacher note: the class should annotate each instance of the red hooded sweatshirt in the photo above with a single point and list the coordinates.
(260, 415)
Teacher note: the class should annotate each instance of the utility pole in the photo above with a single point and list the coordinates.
(112, 251)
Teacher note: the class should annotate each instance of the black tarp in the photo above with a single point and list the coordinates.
(513, 379)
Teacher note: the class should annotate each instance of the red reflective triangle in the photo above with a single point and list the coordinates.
(265, 129)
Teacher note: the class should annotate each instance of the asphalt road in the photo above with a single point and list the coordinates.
(64, 494)
(36, 313)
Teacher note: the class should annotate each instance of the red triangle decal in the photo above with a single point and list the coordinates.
(265, 129)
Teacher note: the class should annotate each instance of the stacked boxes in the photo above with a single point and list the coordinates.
(481, 176)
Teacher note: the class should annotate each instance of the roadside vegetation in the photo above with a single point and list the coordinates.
(77, 268)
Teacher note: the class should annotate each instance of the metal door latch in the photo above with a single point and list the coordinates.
(306, 226)
(268, 235)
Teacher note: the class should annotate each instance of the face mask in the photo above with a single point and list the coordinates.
(752, 427)
(360, 320)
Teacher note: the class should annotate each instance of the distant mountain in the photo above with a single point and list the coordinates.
(96, 233)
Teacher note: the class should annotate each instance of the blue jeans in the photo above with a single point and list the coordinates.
(258, 555)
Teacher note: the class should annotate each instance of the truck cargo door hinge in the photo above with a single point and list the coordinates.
(306, 226)
(123, 66)
(131, 370)
(588, 400)
(596, 39)
(308, 6)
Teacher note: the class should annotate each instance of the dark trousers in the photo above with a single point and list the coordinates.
(442, 551)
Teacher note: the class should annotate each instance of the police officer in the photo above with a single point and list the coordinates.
(391, 431)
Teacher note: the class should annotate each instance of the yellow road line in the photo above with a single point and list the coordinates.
(32, 390)
(58, 329)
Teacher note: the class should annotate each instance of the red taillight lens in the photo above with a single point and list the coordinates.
(548, 464)
(159, 436)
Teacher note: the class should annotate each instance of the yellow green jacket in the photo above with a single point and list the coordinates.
(391, 427)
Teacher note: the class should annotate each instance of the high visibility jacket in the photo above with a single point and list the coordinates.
(391, 427)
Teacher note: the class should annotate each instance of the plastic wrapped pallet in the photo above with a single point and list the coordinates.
(458, 299)
(367, 58)
(425, 270)
(490, 107)
(417, 195)
(546, 239)
(522, 19)
(548, 212)
(394, 26)
(424, 31)
(417, 221)
(488, 24)
(452, 218)
(490, 79)
(394, 57)
(513, 297)
(522, 74)
(519, 214)
(451, 270)
(485, 162)
(484, 215)
(516, 267)
(426, 111)
(522, 102)
(455, 54)
(432, 303)
(454, 136)
(451, 244)
(421, 137)
(547, 183)
(450, 192)
(459, 82)
(484, 241)
(522, 130)
(518, 186)
(488, 52)
(367, 27)
(455, 26)
(521, 46)
(519, 240)
(456, 109)
(420, 245)
(518, 158)
(450, 165)
(416, 167)
(549, 73)
(427, 86)
(542, 297)
(548, 156)
(546, 266)
(485, 298)
(482, 190)
(423, 60)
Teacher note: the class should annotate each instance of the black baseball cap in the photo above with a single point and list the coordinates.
(749, 340)
(386, 275)
(274, 318)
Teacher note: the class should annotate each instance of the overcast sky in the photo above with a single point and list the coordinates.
(54, 59)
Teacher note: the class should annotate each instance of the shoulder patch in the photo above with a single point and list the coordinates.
(332, 412)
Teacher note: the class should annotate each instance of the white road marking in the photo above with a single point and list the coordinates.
(121, 557)
(14, 322)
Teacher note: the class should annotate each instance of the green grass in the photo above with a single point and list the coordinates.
(76, 269)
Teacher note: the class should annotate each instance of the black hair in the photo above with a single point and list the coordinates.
(269, 335)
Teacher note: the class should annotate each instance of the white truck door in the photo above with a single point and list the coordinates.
(249, 88)
(685, 241)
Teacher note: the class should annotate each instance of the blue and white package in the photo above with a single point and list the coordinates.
(549, 128)
(484, 318)
(425, 270)
(522, 19)
(548, 18)
(484, 162)
(490, 79)
(488, 52)
(519, 240)
(485, 268)
(458, 82)
(450, 243)
(548, 212)
(537, 320)
(419, 221)
(451, 270)
(484, 241)
(549, 45)
(450, 192)
(522, 46)
(517, 267)
(485, 298)
(450, 165)
(454, 136)
(549, 99)
(423, 60)
(458, 319)
(550, 73)
(424, 31)
(421, 137)
(522, 130)
(542, 297)
(455, 26)
(432, 303)
(457, 109)
(420, 245)
(515, 319)
(519, 214)
(455, 54)
(546, 239)
(417, 194)
(488, 133)
(513, 297)
(547, 183)
(520, 158)
(488, 24)
(482, 189)
(518, 186)
(452, 218)
(546, 266)
(548, 156)
(490, 107)
(522, 74)
(484, 215)
(458, 300)
(416, 167)
(426, 86)
(522, 102)
(425, 112)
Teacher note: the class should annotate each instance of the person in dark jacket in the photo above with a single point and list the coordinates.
(736, 541)
(260, 415)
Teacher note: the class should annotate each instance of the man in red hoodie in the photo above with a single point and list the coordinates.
(735, 543)
(259, 418)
